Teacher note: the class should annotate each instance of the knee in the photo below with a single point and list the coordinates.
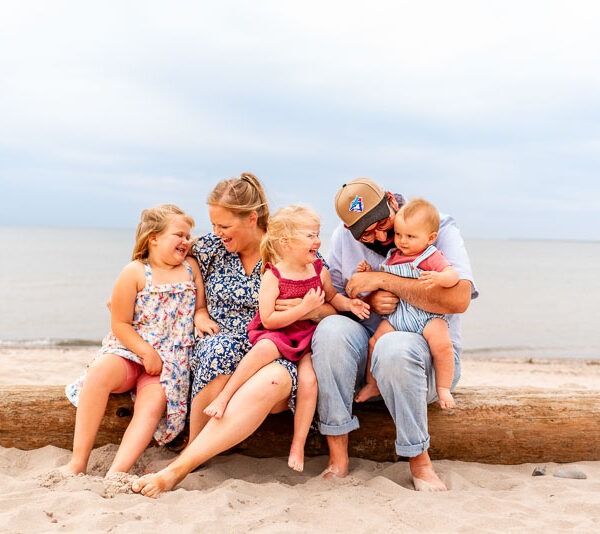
(275, 381)
(336, 340)
(397, 352)
(308, 384)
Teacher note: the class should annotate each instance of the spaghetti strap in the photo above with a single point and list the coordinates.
(148, 273)
(189, 268)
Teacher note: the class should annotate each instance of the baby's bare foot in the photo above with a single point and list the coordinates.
(368, 391)
(446, 399)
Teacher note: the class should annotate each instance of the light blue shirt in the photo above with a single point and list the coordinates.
(345, 253)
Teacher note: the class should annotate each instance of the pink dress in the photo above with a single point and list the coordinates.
(293, 341)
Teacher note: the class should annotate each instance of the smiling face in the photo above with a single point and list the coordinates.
(173, 244)
(237, 233)
(412, 235)
(304, 245)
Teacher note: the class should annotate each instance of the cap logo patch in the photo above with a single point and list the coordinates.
(357, 204)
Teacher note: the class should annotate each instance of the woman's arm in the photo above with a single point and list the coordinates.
(130, 281)
(437, 299)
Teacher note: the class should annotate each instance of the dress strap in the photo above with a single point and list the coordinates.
(148, 273)
(274, 269)
(318, 265)
(189, 269)
(424, 255)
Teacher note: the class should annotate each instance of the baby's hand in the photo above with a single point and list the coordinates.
(430, 279)
(152, 363)
(363, 267)
(205, 325)
(359, 308)
(313, 299)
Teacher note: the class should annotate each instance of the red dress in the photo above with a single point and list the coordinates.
(293, 341)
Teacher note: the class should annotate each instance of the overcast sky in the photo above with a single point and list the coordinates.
(489, 109)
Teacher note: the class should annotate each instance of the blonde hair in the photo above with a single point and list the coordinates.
(420, 206)
(242, 196)
(154, 221)
(285, 223)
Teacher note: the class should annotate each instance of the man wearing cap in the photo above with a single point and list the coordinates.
(401, 361)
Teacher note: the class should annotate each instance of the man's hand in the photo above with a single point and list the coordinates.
(382, 302)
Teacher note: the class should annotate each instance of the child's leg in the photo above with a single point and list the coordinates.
(437, 334)
(306, 402)
(370, 389)
(264, 352)
(150, 404)
(105, 375)
(205, 396)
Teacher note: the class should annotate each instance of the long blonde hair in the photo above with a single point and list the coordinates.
(154, 221)
(285, 223)
(242, 196)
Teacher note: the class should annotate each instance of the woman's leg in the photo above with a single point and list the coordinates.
(263, 353)
(150, 404)
(264, 392)
(104, 376)
(306, 402)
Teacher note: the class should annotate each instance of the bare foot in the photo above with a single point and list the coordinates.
(338, 457)
(156, 483)
(216, 408)
(296, 458)
(71, 469)
(332, 472)
(424, 477)
(446, 399)
(367, 391)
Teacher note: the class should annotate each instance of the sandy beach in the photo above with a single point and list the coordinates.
(234, 493)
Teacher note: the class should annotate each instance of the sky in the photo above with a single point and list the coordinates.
(491, 110)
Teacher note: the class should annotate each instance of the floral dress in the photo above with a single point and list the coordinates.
(232, 302)
(164, 317)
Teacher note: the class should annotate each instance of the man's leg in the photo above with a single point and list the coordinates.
(403, 368)
(339, 358)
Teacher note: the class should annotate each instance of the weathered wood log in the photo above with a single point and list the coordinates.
(489, 425)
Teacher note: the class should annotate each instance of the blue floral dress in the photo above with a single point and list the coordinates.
(163, 316)
(232, 302)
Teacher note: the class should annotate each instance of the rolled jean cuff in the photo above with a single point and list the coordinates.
(410, 451)
(339, 430)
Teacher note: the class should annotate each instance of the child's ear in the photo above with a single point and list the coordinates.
(432, 238)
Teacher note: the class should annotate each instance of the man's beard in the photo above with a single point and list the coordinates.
(379, 248)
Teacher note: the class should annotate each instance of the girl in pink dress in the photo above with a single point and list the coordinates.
(157, 300)
(291, 271)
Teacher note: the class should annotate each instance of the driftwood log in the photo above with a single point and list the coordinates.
(489, 425)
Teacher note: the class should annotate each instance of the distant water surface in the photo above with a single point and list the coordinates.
(537, 298)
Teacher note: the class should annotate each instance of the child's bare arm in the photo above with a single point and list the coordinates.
(340, 302)
(446, 278)
(124, 293)
(363, 267)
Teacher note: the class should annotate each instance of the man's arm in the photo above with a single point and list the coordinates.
(444, 300)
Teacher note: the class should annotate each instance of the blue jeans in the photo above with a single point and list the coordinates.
(402, 366)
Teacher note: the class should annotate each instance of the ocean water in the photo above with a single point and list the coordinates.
(538, 299)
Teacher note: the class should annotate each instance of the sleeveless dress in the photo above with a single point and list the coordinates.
(406, 317)
(164, 317)
(293, 341)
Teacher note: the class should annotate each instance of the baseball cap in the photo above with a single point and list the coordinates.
(360, 203)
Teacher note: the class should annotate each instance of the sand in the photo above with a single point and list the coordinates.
(234, 493)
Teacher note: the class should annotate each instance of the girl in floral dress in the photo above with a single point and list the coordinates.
(292, 270)
(156, 301)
